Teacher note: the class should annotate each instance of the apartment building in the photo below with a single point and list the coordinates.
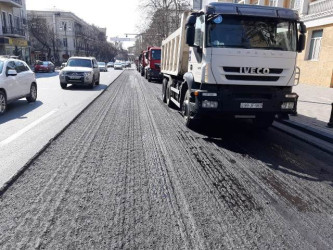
(13, 29)
(316, 61)
(72, 36)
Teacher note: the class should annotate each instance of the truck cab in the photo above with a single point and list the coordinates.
(143, 62)
(153, 70)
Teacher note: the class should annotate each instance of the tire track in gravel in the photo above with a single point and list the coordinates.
(313, 239)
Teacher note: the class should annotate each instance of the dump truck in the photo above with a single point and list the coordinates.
(233, 61)
(152, 69)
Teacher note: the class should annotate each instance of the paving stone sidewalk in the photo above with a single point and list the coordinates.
(314, 107)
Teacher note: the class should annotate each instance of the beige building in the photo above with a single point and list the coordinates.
(74, 37)
(13, 29)
(316, 61)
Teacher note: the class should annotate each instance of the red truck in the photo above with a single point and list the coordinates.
(152, 70)
(143, 62)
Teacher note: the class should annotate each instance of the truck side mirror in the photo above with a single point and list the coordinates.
(302, 28)
(301, 43)
(190, 32)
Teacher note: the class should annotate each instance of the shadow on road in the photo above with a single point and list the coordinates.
(80, 88)
(18, 110)
(276, 151)
(46, 75)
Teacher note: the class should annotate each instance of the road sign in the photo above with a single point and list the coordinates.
(122, 39)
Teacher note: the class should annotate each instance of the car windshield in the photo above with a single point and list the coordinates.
(101, 63)
(79, 63)
(39, 63)
(252, 33)
(45, 63)
(1, 66)
(156, 54)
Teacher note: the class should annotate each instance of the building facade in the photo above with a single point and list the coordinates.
(13, 29)
(72, 36)
(316, 61)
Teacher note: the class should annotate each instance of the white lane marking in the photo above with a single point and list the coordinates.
(27, 128)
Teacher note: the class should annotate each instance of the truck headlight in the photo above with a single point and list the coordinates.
(287, 105)
(209, 104)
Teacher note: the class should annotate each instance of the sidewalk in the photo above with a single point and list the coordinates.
(314, 108)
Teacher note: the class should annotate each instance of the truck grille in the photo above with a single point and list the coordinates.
(251, 77)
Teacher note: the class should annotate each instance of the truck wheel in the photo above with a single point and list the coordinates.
(3, 102)
(168, 96)
(263, 121)
(186, 111)
(33, 93)
(164, 87)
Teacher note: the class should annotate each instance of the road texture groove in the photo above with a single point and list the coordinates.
(128, 174)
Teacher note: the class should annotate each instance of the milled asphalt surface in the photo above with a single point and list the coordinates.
(128, 174)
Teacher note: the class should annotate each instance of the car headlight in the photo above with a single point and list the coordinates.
(87, 73)
(62, 73)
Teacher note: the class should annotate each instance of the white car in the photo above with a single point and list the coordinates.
(17, 81)
(80, 71)
(118, 65)
(102, 66)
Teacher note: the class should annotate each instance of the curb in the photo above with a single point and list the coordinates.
(21, 171)
(309, 130)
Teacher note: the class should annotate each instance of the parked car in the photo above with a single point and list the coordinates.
(80, 71)
(128, 64)
(110, 64)
(102, 66)
(16, 81)
(44, 66)
(118, 65)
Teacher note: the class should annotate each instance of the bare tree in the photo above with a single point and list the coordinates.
(43, 38)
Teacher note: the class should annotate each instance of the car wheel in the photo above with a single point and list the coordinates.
(92, 84)
(3, 102)
(97, 83)
(63, 85)
(33, 93)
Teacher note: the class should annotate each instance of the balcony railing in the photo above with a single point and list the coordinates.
(320, 6)
(13, 31)
(13, 3)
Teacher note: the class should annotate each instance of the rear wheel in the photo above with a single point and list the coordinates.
(3, 102)
(33, 93)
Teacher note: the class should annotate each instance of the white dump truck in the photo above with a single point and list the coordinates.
(233, 61)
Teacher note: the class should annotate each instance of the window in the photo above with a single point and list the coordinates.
(4, 22)
(63, 25)
(272, 2)
(65, 42)
(20, 67)
(10, 22)
(199, 31)
(315, 44)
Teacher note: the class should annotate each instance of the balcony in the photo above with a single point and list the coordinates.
(12, 3)
(11, 31)
(321, 6)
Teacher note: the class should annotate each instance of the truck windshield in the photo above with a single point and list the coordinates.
(156, 54)
(252, 33)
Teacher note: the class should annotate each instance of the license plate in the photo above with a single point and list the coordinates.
(75, 77)
(245, 105)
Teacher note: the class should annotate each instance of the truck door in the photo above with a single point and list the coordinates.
(196, 52)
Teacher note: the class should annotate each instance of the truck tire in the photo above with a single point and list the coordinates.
(168, 96)
(189, 121)
(164, 87)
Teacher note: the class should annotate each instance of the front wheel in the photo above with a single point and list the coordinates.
(3, 102)
(63, 85)
(186, 111)
(33, 93)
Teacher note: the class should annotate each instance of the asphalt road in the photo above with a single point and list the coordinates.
(26, 128)
(128, 174)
